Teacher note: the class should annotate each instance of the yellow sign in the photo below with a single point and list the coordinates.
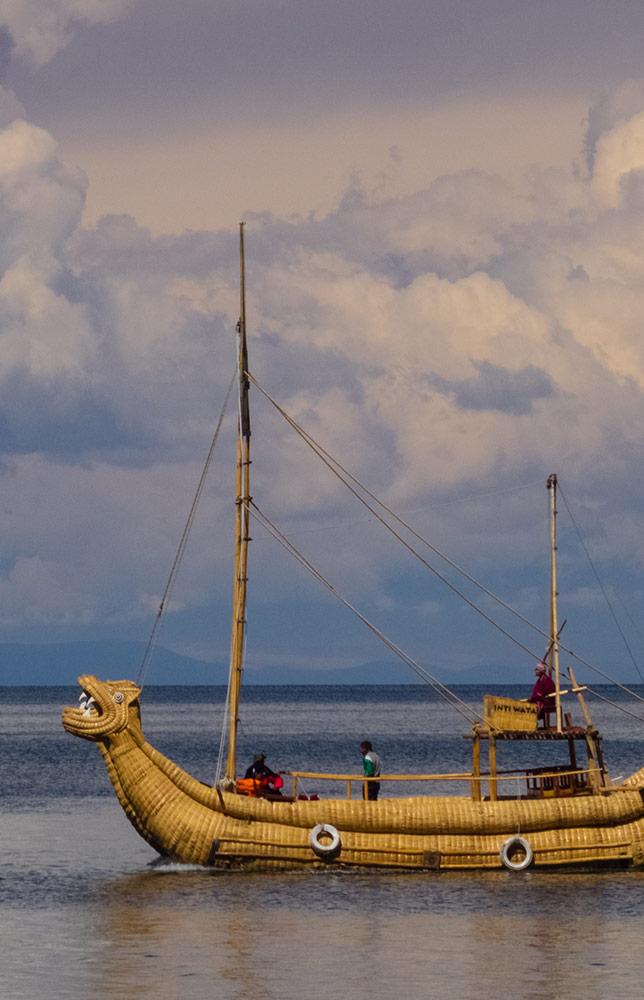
(508, 714)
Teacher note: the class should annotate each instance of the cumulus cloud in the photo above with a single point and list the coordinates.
(44, 334)
(613, 109)
(41, 28)
(41, 199)
(619, 155)
(10, 107)
(442, 344)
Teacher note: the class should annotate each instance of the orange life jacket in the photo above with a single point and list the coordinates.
(247, 786)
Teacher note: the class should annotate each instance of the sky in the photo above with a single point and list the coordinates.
(444, 207)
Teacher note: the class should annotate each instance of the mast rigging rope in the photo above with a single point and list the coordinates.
(446, 693)
(147, 655)
(614, 704)
(333, 465)
(601, 585)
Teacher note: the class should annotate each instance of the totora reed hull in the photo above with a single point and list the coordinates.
(188, 821)
(570, 815)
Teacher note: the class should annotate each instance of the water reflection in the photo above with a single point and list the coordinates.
(81, 914)
(243, 937)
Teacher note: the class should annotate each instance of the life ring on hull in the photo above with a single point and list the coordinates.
(325, 841)
(516, 854)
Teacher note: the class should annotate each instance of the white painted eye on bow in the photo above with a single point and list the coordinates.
(118, 697)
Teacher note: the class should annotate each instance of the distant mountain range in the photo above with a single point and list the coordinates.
(61, 663)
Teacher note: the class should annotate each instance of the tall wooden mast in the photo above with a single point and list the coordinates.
(554, 625)
(241, 522)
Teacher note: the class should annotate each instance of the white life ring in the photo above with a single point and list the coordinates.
(325, 841)
(512, 846)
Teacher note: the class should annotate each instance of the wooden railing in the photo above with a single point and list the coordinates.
(352, 779)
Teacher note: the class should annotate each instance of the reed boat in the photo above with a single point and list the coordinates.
(572, 814)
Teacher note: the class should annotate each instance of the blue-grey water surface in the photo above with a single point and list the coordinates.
(84, 913)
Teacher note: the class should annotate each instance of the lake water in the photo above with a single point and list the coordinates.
(84, 913)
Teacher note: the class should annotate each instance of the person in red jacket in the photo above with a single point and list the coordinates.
(544, 686)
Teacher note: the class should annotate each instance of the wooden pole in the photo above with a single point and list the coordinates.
(593, 744)
(580, 698)
(492, 759)
(242, 537)
(476, 768)
(554, 628)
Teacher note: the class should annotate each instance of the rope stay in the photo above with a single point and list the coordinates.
(322, 453)
(614, 704)
(601, 587)
(333, 465)
(181, 548)
(221, 753)
(441, 689)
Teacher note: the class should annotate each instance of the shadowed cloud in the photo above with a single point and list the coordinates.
(6, 47)
(496, 388)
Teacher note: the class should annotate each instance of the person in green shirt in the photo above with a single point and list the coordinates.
(371, 768)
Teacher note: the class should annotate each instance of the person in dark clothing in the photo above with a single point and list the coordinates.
(371, 769)
(269, 783)
(544, 686)
(259, 768)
